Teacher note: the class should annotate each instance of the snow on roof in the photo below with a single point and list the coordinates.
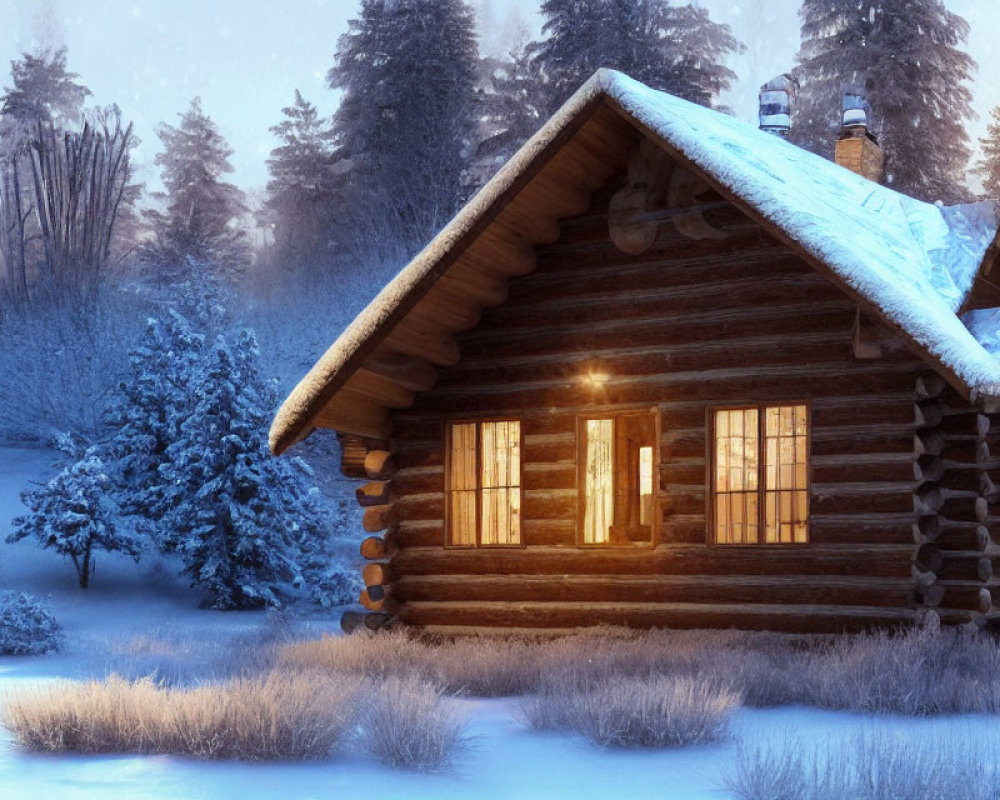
(913, 261)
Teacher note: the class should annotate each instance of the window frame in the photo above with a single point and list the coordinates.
(710, 449)
(580, 450)
(446, 493)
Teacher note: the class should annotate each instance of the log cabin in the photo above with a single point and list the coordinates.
(668, 370)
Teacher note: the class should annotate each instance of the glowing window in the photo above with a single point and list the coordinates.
(746, 508)
(484, 483)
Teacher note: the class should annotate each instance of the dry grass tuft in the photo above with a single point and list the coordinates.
(287, 715)
(916, 671)
(654, 711)
(407, 722)
(868, 767)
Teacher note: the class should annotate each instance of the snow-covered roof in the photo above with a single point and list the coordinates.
(911, 262)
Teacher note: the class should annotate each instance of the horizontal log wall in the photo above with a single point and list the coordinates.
(686, 326)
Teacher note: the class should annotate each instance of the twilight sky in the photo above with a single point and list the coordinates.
(245, 58)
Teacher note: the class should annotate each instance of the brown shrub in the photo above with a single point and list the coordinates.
(287, 715)
(407, 722)
(651, 711)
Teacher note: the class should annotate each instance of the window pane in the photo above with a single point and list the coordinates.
(598, 489)
(786, 502)
(462, 484)
(462, 516)
(736, 476)
(500, 505)
(645, 485)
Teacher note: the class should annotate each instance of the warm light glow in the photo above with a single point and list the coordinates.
(596, 380)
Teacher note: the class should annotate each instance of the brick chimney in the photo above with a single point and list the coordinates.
(857, 148)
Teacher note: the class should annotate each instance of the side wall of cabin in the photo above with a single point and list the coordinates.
(685, 327)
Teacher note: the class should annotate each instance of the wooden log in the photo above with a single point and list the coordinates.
(964, 452)
(967, 537)
(409, 372)
(927, 528)
(376, 574)
(377, 592)
(922, 579)
(928, 442)
(975, 481)
(928, 468)
(788, 618)
(385, 603)
(684, 559)
(966, 566)
(965, 426)
(894, 592)
(964, 507)
(930, 596)
(378, 518)
(373, 493)
(379, 465)
(379, 621)
(375, 547)
(927, 500)
(351, 413)
(381, 390)
(351, 621)
(437, 348)
(353, 451)
(928, 558)
(965, 596)
(929, 385)
(927, 413)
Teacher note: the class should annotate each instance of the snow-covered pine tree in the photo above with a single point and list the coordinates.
(299, 199)
(514, 97)
(241, 520)
(199, 221)
(677, 49)
(906, 56)
(407, 69)
(988, 167)
(145, 415)
(43, 89)
(74, 514)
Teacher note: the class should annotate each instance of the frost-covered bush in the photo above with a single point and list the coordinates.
(407, 722)
(74, 514)
(871, 766)
(27, 627)
(919, 671)
(287, 715)
(650, 711)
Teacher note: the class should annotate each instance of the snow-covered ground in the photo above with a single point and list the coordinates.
(505, 759)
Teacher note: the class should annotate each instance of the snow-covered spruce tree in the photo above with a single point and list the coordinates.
(241, 520)
(677, 49)
(299, 200)
(988, 167)
(905, 55)
(74, 515)
(145, 415)
(514, 98)
(201, 208)
(407, 69)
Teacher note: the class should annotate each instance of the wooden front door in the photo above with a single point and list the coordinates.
(617, 462)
